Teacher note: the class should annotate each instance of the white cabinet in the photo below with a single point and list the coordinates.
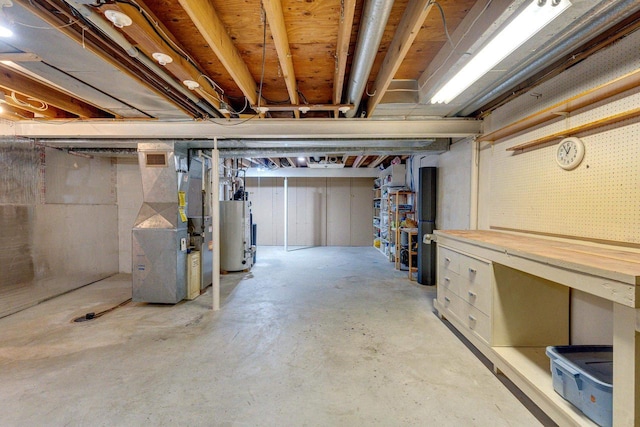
(464, 290)
(509, 295)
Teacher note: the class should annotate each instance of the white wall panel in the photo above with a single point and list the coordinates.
(129, 195)
(600, 199)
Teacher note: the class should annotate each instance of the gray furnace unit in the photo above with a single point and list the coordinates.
(159, 236)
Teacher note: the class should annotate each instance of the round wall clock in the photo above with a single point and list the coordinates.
(570, 153)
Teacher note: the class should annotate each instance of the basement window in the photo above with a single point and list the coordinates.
(156, 159)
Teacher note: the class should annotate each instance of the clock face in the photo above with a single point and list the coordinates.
(570, 153)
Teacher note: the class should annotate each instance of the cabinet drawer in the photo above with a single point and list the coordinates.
(478, 294)
(448, 260)
(449, 301)
(475, 270)
(476, 321)
(449, 280)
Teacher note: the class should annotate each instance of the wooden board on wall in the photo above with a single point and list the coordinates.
(361, 212)
(339, 212)
(322, 211)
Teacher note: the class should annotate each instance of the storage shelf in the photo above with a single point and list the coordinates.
(531, 367)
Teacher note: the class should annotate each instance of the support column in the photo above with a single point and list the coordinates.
(215, 222)
(626, 366)
(286, 214)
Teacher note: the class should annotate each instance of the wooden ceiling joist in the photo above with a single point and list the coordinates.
(342, 49)
(413, 18)
(25, 105)
(149, 41)
(358, 161)
(275, 18)
(292, 162)
(377, 161)
(10, 112)
(206, 19)
(28, 87)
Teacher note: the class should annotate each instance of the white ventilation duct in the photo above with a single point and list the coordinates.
(374, 20)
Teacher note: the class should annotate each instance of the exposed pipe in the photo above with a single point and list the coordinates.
(286, 214)
(215, 222)
(131, 50)
(589, 25)
(372, 25)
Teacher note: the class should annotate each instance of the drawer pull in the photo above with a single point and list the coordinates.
(447, 259)
(446, 279)
(447, 299)
(473, 319)
(472, 294)
(472, 270)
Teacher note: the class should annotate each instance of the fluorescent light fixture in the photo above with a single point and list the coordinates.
(532, 19)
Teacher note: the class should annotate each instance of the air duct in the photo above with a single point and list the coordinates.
(372, 25)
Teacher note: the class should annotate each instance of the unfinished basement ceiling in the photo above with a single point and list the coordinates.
(241, 63)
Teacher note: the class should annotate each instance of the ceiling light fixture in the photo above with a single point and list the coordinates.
(532, 19)
(118, 19)
(262, 110)
(302, 159)
(162, 58)
(304, 110)
(191, 84)
(344, 109)
(5, 22)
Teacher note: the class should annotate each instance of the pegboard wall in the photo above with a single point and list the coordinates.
(600, 199)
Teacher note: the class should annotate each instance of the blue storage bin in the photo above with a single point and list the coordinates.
(583, 374)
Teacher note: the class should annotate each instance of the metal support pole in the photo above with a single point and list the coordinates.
(215, 220)
(286, 214)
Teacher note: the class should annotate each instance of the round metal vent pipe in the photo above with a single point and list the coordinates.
(374, 20)
(598, 19)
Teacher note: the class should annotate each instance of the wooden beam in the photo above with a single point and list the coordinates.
(344, 159)
(206, 19)
(32, 107)
(412, 20)
(358, 161)
(292, 162)
(342, 48)
(307, 107)
(631, 114)
(377, 161)
(10, 112)
(606, 90)
(275, 18)
(149, 41)
(20, 57)
(19, 83)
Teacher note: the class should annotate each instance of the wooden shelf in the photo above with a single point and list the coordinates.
(529, 369)
(584, 99)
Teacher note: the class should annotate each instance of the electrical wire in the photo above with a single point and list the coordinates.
(453, 50)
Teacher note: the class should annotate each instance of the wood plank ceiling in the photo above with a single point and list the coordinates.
(279, 54)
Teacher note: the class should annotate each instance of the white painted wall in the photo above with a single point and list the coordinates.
(322, 211)
(454, 184)
(599, 200)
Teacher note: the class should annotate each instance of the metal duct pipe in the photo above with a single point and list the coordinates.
(598, 19)
(372, 25)
(121, 41)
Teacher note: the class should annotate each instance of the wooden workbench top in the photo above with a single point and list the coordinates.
(616, 264)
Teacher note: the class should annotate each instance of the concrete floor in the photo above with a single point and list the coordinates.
(316, 337)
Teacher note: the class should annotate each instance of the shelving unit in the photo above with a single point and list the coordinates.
(509, 296)
(412, 248)
(400, 207)
(389, 181)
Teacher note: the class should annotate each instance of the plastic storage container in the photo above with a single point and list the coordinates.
(584, 376)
